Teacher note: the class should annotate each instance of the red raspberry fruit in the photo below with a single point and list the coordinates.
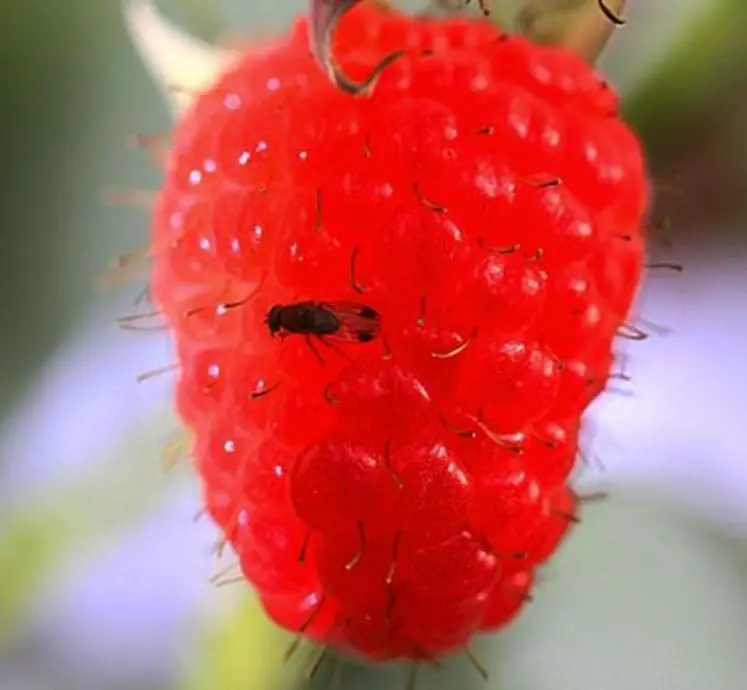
(394, 497)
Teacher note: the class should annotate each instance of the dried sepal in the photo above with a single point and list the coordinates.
(324, 15)
(589, 34)
(181, 65)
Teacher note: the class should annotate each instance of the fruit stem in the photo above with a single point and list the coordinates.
(583, 26)
(588, 36)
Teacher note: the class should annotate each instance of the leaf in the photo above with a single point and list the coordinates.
(245, 650)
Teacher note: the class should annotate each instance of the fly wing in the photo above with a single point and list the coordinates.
(358, 323)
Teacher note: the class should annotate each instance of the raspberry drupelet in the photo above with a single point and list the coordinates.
(395, 497)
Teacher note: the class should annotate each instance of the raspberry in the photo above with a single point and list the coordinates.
(394, 496)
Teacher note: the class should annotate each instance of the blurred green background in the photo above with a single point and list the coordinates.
(651, 595)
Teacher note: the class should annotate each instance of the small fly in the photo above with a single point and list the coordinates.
(346, 322)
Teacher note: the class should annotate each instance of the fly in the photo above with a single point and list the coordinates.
(346, 322)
